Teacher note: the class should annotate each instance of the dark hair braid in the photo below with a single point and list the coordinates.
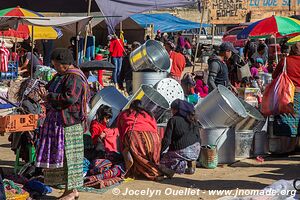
(137, 106)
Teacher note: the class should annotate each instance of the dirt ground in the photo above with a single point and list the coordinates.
(245, 174)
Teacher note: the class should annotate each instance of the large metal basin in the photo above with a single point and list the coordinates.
(224, 139)
(220, 108)
(108, 96)
(146, 78)
(151, 100)
(150, 55)
(244, 141)
(170, 89)
(254, 116)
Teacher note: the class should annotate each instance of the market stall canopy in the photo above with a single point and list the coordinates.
(24, 30)
(294, 40)
(126, 8)
(277, 26)
(60, 6)
(67, 23)
(165, 22)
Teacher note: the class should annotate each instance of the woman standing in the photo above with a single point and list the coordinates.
(60, 148)
(188, 51)
(288, 124)
(181, 141)
(116, 49)
(141, 141)
(188, 47)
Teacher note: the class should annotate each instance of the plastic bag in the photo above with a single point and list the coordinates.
(243, 71)
(278, 97)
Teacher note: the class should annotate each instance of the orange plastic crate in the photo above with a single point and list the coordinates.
(18, 123)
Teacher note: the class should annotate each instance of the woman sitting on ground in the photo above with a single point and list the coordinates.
(105, 139)
(140, 140)
(180, 145)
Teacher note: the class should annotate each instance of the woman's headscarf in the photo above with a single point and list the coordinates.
(295, 49)
(184, 108)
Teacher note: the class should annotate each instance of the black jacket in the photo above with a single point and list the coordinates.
(126, 70)
(218, 73)
(179, 134)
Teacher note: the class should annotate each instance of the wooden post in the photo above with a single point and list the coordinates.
(121, 27)
(198, 39)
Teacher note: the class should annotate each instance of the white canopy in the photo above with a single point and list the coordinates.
(67, 23)
(70, 24)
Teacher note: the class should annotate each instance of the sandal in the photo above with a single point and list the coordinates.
(166, 171)
(191, 167)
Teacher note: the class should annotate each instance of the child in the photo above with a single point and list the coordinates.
(188, 86)
(201, 88)
(258, 67)
(104, 138)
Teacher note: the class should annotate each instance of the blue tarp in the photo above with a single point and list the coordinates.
(127, 8)
(165, 22)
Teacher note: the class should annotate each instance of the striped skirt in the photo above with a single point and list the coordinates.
(177, 160)
(71, 173)
(287, 124)
(144, 148)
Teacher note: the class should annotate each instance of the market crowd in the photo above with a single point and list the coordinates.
(133, 146)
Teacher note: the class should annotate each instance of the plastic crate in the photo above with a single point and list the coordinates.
(12, 72)
(18, 123)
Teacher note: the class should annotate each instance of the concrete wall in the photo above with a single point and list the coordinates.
(184, 13)
(193, 14)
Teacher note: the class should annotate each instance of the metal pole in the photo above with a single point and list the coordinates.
(76, 45)
(198, 39)
(276, 51)
(32, 46)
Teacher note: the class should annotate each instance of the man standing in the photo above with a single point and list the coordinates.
(158, 36)
(25, 69)
(250, 49)
(116, 49)
(218, 71)
(177, 61)
(260, 53)
(262, 41)
(126, 72)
